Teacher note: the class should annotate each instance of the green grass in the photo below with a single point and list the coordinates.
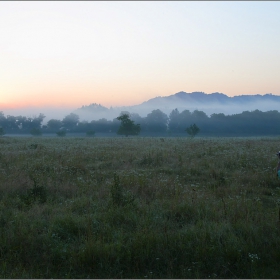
(139, 208)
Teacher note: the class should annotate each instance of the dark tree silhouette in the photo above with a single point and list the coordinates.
(192, 130)
(127, 126)
(71, 121)
(156, 121)
(54, 125)
(36, 131)
(2, 131)
(174, 121)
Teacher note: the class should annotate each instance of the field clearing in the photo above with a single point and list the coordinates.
(139, 207)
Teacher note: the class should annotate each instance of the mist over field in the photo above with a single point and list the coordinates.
(208, 103)
(213, 103)
(59, 56)
(139, 208)
(143, 110)
(50, 112)
(109, 169)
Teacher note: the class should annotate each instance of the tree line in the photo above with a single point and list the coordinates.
(155, 123)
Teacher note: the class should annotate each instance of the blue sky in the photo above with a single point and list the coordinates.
(69, 54)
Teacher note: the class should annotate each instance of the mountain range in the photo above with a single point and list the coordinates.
(209, 103)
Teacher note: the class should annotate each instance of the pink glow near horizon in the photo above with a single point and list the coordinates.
(70, 54)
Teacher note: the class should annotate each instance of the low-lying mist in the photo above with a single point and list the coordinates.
(182, 101)
(50, 112)
(144, 110)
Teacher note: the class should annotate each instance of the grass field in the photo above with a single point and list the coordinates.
(139, 208)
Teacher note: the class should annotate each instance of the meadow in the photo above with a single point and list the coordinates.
(139, 207)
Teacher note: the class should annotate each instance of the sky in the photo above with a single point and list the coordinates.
(65, 54)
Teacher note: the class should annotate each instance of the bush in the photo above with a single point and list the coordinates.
(36, 132)
(61, 133)
(119, 196)
(192, 130)
(2, 132)
(90, 133)
(127, 126)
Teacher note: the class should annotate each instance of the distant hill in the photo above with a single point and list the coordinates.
(212, 103)
(208, 103)
(92, 111)
(97, 108)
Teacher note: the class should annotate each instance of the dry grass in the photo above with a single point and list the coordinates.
(139, 208)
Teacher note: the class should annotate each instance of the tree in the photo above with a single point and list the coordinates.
(218, 116)
(54, 124)
(127, 126)
(174, 120)
(71, 121)
(102, 125)
(2, 131)
(11, 124)
(136, 118)
(25, 124)
(61, 133)
(36, 131)
(156, 121)
(2, 118)
(200, 115)
(192, 130)
(37, 121)
(184, 119)
(90, 133)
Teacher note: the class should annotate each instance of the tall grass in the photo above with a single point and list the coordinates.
(139, 208)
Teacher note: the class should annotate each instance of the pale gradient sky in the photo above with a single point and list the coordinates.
(123, 53)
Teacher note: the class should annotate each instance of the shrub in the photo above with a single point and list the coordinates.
(119, 196)
(127, 126)
(61, 133)
(36, 131)
(193, 130)
(90, 133)
(2, 132)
